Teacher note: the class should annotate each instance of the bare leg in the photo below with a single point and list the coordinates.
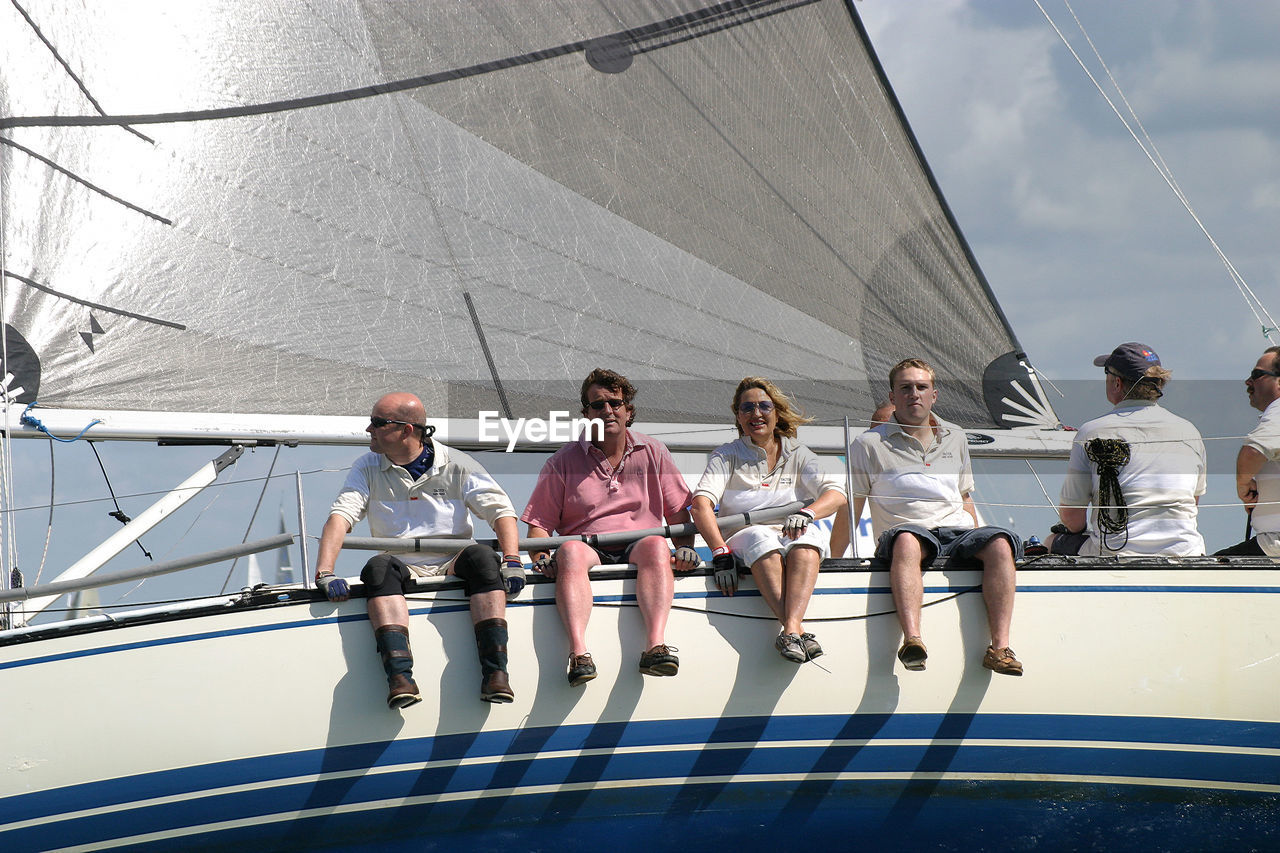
(767, 572)
(999, 581)
(800, 575)
(388, 610)
(907, 581)
(655, 586)
(574, 561)
(488, 605)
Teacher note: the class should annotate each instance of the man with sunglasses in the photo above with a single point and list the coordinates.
(1258, 463)
(611, 480)
(1141, 467)
(915, 470)
(413, 487)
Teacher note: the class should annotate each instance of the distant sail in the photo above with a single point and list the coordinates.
(687, 192)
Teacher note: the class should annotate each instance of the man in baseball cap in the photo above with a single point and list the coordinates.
(1140, 466)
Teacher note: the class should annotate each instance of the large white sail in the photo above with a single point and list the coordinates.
(208, 210)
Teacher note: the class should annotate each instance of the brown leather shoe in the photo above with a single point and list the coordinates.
(581, 669)
(1002, 661)
(495, 688)
(403, 693)
(913, 654)
(659, 660)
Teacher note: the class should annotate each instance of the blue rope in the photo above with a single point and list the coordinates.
(34, 423)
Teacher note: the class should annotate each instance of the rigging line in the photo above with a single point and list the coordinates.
(266, 481)
(1164, 169)
(488, 356)
(619, 605)
(4, 140)
(66, 67)
(1048, 500)
(1251, 300)
(48, 531)
(85, 302)
(5, 439)
(634, 35)
(119, 515)
(8, 548)
(1041, 375)
(215, 495)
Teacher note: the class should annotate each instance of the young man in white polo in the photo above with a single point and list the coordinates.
(916, 472)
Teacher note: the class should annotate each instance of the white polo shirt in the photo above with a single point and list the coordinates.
(905, 483)
(1160, 483)
(738, 477)
(1265, 438)
(433, 506)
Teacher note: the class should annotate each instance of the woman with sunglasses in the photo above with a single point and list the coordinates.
(767, 467)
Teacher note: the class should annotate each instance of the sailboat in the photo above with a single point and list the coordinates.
(236, 229)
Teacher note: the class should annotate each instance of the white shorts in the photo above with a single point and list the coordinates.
(1269, 543)
(428, 570)
(755, 541)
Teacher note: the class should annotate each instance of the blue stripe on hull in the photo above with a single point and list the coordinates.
(947, 815)
(753, 746)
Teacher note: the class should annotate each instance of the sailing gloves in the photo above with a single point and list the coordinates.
(796, 523)
(512, 575)
(726, 572)
(335, 588)
(686, 559)
(545, 565)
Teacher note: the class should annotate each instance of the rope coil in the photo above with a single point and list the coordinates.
(1109, 455)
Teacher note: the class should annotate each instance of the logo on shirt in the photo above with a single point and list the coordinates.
(785, 481)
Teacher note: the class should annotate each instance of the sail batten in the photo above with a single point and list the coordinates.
(689, 192)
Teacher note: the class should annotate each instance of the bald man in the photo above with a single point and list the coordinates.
(411, 487)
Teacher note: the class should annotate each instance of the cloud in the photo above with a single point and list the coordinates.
(1082, 240)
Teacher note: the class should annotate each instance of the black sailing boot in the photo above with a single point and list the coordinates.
(397, 660)
(491, 643)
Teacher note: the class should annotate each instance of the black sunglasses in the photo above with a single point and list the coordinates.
(1257, 373)
(378, 423)
(598, 405)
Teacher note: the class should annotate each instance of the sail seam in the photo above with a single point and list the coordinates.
(4, 140)
(680, 22)
(101, 307)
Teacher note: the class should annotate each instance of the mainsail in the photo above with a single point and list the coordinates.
(290, 208)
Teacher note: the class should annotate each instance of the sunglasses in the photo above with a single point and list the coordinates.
(765, 407)
(378, 423)
(1257, 373)
(598, 405)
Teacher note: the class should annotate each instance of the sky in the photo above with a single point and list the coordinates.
(1083, 243)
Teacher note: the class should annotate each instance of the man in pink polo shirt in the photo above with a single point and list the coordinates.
(623, 481)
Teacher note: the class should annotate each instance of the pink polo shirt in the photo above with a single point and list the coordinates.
(578, 491)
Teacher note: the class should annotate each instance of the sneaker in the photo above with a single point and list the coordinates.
(659, 660)
(403, 693)
(811, 647)
(913, 653)
(791, 647)
(1002, 661)
(581, 669)
(496, 688)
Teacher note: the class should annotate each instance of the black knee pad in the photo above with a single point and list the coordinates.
(478, 567)
(384, 574)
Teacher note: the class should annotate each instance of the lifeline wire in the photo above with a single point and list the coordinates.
(266, 481)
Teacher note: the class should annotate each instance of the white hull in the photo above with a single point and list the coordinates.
(1149, 708)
